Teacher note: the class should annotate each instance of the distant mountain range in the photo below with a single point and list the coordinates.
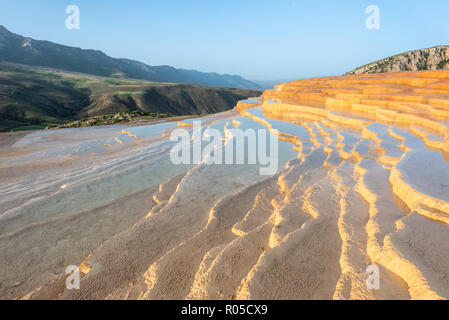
(22, 50)
(34, 97)
(436, 58)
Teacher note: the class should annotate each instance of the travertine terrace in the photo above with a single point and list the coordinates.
(385, 141)
(363, 180)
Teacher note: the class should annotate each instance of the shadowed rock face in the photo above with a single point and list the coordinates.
(363, 181)
(436, 58)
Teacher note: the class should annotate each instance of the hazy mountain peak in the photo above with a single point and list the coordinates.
(3, 29)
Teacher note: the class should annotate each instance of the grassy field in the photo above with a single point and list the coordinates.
(33, 98)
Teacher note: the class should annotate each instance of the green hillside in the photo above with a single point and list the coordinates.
(37, 97)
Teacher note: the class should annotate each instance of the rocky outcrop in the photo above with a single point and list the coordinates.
(436, 58)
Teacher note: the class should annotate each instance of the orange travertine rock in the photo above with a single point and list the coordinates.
(183, 124)
(408, 99)
(396, 160)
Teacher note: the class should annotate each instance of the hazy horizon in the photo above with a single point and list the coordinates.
(296, 39)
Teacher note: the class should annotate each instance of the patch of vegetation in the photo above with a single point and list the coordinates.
(121, 82)
(120, 117)
(129, 92)
(442, 64)
(114, 82)
(423, 62)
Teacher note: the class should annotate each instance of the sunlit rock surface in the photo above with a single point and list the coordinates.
(363, 180)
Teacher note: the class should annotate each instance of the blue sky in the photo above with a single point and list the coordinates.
(265, 40)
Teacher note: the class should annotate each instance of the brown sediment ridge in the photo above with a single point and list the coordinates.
(368, 185)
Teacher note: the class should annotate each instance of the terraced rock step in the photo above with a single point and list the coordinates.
(391, 134)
